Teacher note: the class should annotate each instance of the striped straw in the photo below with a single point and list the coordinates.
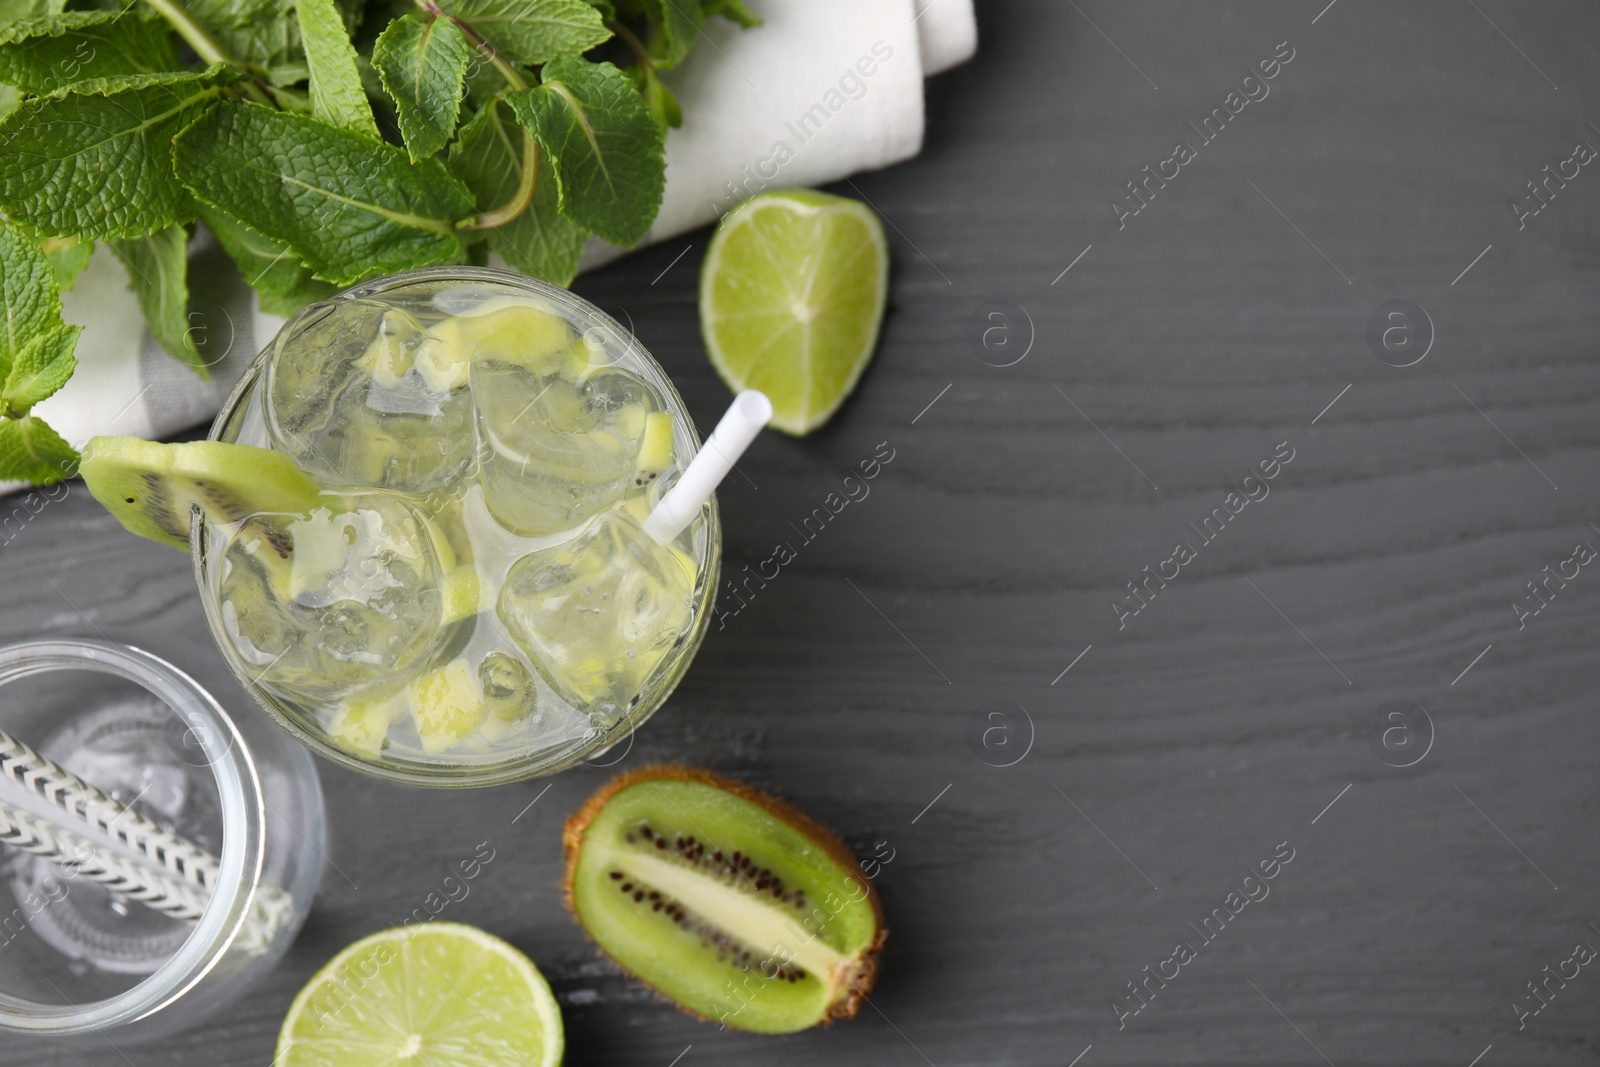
(80, 859)
(64, 790)
(171, 875)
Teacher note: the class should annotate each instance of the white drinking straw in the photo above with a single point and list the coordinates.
(170, 875)
(30, 772)
(78, 858)
(749, 412)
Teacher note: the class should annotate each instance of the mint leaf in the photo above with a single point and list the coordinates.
(660, 101)
(22, 10)
(68, 256)
(671, 28)
(98, 161)
(158, 274)
(29, 305)
(264, 33)
(347, 206)
(284, 283)
(45, 55)
(31, 451)
(488, 158)
(605, 148)
(270, 41)
(267, 265)
(42, 367)
(734, 10)
(336, 93)
(673, 37)
(287, 74)
(531, 32)
(423, 64)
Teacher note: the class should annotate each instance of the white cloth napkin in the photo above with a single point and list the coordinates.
(822, 90)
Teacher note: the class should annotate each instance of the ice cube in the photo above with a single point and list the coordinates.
(365, 396)
(598, 614)
(341, 599)
(556, 452)
(508, 691)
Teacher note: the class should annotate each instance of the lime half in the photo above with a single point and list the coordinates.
(791, 298)
(437, 995)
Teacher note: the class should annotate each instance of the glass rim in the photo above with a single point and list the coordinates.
(514, 768)
(243, 817)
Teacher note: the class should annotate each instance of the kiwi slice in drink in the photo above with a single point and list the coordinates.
(727, 901)
(152, 488)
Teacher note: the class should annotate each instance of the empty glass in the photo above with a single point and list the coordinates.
(159, 854)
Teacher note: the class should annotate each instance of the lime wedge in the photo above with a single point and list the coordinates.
(791, 298)
(439, 995)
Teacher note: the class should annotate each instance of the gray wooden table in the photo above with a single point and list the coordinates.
(940, 675)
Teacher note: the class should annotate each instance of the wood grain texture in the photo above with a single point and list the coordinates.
(1234, 708)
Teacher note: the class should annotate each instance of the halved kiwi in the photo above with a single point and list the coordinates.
(152, 488)
(727, 901)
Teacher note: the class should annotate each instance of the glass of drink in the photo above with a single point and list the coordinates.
(157, 856)
(475, 597)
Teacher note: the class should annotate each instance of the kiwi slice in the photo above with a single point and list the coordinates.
(152, 488)
(729, 902)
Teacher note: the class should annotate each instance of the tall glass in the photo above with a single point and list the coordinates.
(80, 958)
(475, 603)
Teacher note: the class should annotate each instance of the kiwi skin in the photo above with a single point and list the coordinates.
(866, 972)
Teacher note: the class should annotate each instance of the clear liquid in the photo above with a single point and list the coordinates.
(470, 434)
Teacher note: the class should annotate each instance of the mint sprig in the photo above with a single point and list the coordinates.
(322, 142)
